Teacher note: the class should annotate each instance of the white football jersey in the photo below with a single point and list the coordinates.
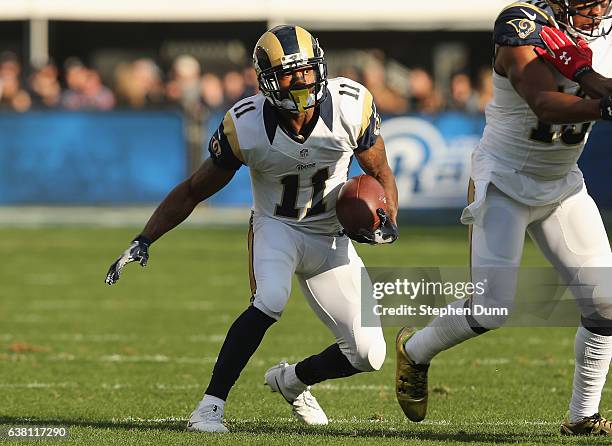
(533, 162)
(602, 55)
(296, 180)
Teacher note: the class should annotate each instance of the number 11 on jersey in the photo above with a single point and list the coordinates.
(287, 207)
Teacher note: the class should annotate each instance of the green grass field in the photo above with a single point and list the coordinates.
(127, 364)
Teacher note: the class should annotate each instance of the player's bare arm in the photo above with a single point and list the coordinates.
(596, 85)
(374, 163)
(178, 204)
(175, 208)
(535, 82)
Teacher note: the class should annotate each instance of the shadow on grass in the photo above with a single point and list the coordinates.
(404, 432)
(340, 430)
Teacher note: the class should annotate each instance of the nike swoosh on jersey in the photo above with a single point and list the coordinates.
(530, 16)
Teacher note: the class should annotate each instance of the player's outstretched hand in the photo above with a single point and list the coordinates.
(137, 252)
(387, 231)
(571, 59)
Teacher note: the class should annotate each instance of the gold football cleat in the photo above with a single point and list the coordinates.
(593, 425)
(410, 380)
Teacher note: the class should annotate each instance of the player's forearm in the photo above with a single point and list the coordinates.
(387, 180)
(176, 207)
(560, 108)
(172, 211)
(595, 85)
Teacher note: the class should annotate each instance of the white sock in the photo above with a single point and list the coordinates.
(291, 379)
(209, 399)
(441, 334)
(593, 353)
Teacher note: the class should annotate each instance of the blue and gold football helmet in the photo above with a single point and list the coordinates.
(566, 10)
(283, 49)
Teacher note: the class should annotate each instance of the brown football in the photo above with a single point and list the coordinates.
(357, 203)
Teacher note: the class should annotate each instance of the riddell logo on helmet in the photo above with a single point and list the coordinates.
(291, 59)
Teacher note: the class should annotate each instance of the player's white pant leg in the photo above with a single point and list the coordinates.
(497, 248)
(333, 291)
(574, 239)
(274, 257)
(497, 241)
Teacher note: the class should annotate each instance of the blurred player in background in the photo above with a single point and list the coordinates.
(297, 137)
(525, 179)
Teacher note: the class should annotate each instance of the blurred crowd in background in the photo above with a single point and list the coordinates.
(142, 84)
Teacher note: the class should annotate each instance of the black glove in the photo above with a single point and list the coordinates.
(137, 252)
(386, 233)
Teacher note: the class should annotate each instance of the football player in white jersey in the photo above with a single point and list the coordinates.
(297, 136)
(525, 179)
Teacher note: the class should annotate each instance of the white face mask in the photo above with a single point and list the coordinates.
(600, 31)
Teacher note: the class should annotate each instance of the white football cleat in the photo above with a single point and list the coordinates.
(304, 406)
(207, 418)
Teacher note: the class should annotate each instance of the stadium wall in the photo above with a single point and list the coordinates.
(74, 158)
(127, 158)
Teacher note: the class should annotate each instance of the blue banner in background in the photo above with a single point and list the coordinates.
(430, 157)
(138, 157)
(90, 158)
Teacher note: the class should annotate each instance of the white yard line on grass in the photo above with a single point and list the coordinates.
(74, 304)
(158, 358)
(351, 387)
(160, 386)
(148, 420)
(499, 361)
(105, 386)
(103, 337)
(37, 385)
(111, 337)
(198, 386)
(220, 337)
(347, 421)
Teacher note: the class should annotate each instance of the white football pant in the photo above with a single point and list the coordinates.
(570, 234)
(329, 272)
